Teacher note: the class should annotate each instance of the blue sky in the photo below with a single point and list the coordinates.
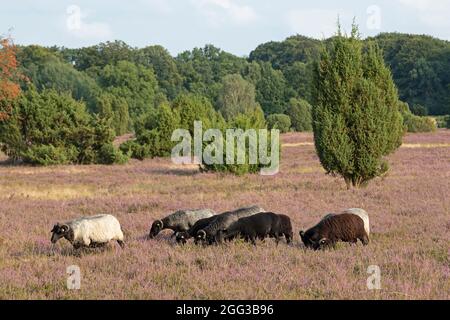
(237, 26)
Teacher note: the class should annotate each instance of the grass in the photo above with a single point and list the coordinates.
(409, 210)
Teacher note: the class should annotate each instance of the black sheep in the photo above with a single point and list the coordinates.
(347, 227)
(261, 225)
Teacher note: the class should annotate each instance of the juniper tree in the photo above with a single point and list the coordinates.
(356, 120)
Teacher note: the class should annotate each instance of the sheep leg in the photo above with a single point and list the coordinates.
(121, 243)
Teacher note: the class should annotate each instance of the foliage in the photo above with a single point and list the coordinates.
(299, 111)
(153, 133)
(271, 93)
(114, 109)
(356, 120)
(47, 70)
(9, 77)
(281, 122)
(419, 110)
(49, 128)
(236, 96)
(250, 120)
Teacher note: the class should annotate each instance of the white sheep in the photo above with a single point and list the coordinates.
(89, 231)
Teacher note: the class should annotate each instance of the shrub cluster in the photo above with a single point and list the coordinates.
(49, 128)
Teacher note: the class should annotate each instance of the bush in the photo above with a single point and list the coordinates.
(448, 122)
(108, 154)
(153, 133)
(299, 111)
(441, 121)
(281, 122)
(415, 123)
(252, 120)
(419, 110)
(49, 128)
(355, 117)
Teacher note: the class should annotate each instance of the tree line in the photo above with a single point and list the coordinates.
(73, 102)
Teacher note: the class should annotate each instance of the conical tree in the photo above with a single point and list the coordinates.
(356, 120)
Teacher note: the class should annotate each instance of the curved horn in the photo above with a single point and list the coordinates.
(65, 227)
(201, 234)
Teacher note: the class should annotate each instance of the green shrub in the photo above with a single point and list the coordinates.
(281, 122)
(153, 134)
(355, 116)
(441, 121)
(419, 110)
(415, 123)
(299, 111)
(252, 120)
(108, 154)
(49, 128)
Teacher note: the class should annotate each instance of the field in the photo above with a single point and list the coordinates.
(409, 210)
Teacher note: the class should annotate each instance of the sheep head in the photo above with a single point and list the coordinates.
(59, 231)
(156, 228)
(201, 236)
(182, 237)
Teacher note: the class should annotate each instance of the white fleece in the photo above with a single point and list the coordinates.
(97, 229)
(363, 215)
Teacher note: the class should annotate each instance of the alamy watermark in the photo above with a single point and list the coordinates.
(373, 17)
(239, 147)
(74, 278)
(374, 280)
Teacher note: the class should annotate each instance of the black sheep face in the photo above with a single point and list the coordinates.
(181, 237)
(155, 229)
(59, 231)
(313, 240)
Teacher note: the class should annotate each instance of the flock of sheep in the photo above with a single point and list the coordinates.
(207, 227)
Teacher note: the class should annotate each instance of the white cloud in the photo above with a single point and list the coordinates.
(434, 13)
(219, 11)
(317, 23)
(76, 25)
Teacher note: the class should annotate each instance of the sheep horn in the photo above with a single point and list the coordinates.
(201, 234)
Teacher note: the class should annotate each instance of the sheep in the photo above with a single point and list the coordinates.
(179, 221)
(348, 226)
(261, 225)
(94, 231)
(213, 233)
(183, 236)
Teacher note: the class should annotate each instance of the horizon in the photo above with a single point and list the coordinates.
(246, 55)
(180, 26)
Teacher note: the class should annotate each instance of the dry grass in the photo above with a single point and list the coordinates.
(409, 209)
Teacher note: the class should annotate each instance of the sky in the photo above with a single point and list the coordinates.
(236, 26)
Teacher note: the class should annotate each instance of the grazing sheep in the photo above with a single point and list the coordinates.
(91, 232)
(349, 226)
(179, 221)
(213, 233)
(183, 236)
(261, 225)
